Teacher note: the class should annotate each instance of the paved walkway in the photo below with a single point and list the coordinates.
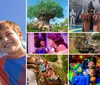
(31, 77)
(76, 28)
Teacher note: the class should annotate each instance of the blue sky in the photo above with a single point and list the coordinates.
(15, 11)
(62, 3)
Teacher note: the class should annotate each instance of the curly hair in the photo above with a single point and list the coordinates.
(38, 40)
(57, 38)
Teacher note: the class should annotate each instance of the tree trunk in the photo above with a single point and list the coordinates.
(43, 22)
(43, 25)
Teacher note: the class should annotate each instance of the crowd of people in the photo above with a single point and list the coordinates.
(46, 73)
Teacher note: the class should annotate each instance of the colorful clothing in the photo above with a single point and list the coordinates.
(42, 51)
(15, 70)
(3, 75)
(42, 67)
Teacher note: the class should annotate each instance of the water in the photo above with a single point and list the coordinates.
(77, 28)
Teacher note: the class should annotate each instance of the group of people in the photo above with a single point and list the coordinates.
(46, 72)
(89, 66)
(91, 19)
(56, 43)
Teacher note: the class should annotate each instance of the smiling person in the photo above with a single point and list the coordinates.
(40, 45)
(12, 66)
(57, 42)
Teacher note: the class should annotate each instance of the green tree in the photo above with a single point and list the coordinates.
(63, 26)
(64, 63)
(45, 10)
(51, 58)
(96, 36)
(78, 40)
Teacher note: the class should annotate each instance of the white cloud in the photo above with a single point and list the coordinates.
(57, 20)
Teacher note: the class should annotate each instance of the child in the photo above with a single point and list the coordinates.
(91, 70)
(12, 66)
(4, 54)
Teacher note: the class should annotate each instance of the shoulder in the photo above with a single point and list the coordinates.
(61, 47)
(2, 60)
(4, 75)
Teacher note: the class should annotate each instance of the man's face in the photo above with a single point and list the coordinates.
(9, 40)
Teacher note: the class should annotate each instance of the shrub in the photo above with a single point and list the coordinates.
(51, 58)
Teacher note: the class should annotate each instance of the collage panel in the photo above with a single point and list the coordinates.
(12, 42)
(47, 43)
(84, 15)
(47, 15)
(84, 43)
(84, 69)
(47, 69)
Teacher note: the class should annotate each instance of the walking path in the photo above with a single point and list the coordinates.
(31, 77)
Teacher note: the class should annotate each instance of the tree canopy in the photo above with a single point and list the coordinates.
(51, 58)
(64, 63)
(96, 36)
(45, 8)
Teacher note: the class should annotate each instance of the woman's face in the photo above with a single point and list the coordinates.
(90, 64)
(51, 42)
(42, 43)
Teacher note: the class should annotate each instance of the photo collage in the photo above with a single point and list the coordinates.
(50, 42)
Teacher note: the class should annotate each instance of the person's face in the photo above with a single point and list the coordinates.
(91, 64)
(42, 43)
(9, 40)
(51, 42)
(91, 72)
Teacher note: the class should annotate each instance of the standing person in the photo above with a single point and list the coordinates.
(72, 17)
(88, 18)
(12, 65)
(57, 42)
